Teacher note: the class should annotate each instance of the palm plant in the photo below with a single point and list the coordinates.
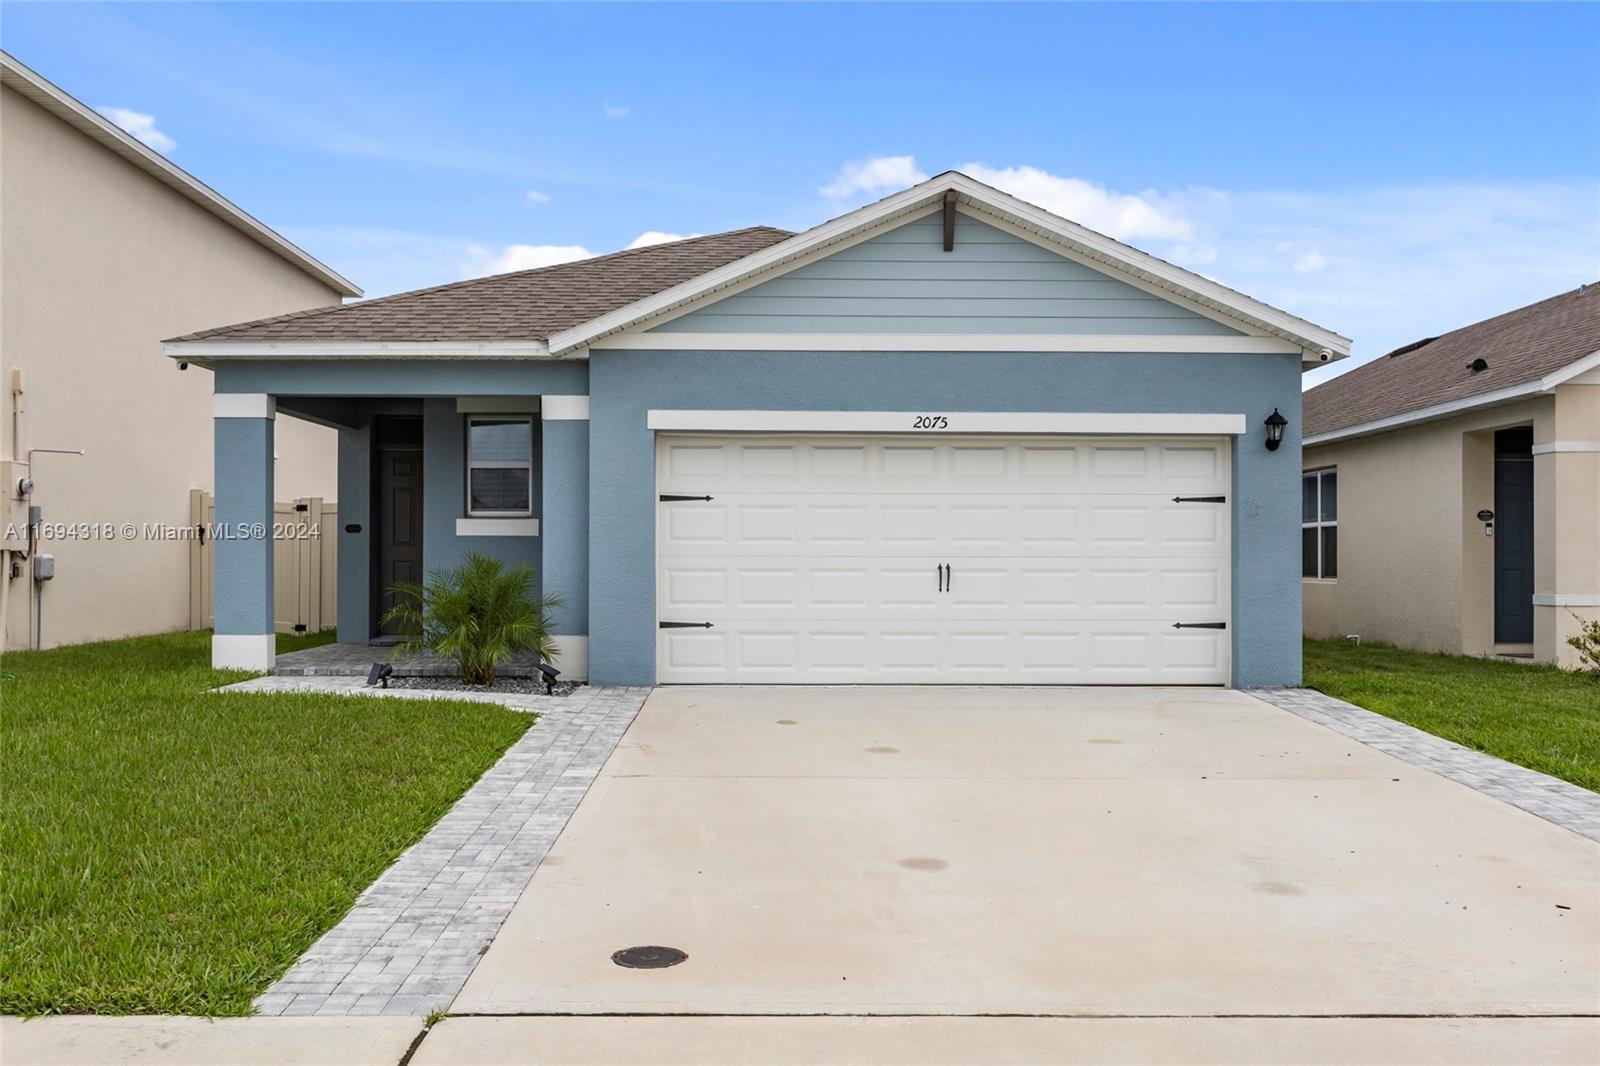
(475, 615)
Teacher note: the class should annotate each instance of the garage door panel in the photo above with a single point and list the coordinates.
(1054, 653)
(743, 524)
(819, 560)
(764, 587)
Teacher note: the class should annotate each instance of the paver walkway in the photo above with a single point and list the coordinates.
(414, 936)
(1550, 798)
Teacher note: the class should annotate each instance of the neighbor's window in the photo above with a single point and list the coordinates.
(1319, 524)
(500, 466)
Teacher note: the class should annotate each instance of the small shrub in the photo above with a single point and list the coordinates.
(1588, 644)
(475, 615)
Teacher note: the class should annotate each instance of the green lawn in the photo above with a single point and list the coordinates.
(1536, 716)
(165, 849)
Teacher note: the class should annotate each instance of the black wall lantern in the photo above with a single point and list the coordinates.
(1275, 424)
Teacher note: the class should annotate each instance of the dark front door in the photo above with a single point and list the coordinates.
(1513, 536)
(399, 511)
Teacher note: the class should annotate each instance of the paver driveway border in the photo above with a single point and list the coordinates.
(415, 934)
(1550, 798)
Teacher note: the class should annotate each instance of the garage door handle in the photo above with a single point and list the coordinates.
(683, 625)
(669, 498)
(1199, 625)
(1199, 499)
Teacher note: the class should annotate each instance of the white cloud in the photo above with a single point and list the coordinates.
(880, 174)
(614, 111)
(534, 196)
(140, 126)
(1309, 263)
(482, 261)
(1125, 216)
(655, 236)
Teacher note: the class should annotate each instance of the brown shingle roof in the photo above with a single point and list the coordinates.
(1519, 346)
(528, 305)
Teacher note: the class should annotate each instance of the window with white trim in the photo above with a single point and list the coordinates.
(499, 466)
(1319, 524)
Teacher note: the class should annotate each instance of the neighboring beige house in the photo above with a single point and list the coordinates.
(1451, 495)
(105, 248)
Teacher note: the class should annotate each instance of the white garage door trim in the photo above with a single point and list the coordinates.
(1059, 559)
(948, 422)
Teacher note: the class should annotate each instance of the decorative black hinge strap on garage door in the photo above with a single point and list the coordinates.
(1199, 499)
(1199, 625)
(683, 625)
(670, 498)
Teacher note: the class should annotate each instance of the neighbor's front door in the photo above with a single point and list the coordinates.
(399, 533)
(1513, 537)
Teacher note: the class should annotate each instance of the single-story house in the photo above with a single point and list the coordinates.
(1451, 495)
(947, 437)
(108, 247)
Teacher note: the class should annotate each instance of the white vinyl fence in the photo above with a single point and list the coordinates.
(304, 574)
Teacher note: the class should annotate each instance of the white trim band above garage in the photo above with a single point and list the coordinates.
(1565, 599)
(941, 423)
(497, 527)
(1567, 446)
(565, 408)
(945, 342)
(243, 405)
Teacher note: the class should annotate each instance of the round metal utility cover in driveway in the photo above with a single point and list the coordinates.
(648, 958)
(972, 560)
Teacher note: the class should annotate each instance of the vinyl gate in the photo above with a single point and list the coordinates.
(304, 573)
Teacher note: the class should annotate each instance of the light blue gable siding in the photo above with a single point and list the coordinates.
(903, 281)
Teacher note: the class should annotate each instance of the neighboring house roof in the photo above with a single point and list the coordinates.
(527, 305)
(16, 76)
(564, 309)
(1527, 350)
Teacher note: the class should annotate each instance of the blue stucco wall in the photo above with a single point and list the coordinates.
(564, 447)
(242, 578)
(624, 385)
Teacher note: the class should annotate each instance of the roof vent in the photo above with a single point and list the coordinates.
(1478, 366)
(1413, 346)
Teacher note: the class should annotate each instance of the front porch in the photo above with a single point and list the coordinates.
(436, 461)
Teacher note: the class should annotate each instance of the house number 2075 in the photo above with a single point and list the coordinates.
(931, 422)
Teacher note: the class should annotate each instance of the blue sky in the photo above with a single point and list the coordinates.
(1387, 171)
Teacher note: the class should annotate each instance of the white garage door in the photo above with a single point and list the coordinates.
(1040, 560)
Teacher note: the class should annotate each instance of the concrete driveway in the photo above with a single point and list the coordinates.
(1060, 852)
